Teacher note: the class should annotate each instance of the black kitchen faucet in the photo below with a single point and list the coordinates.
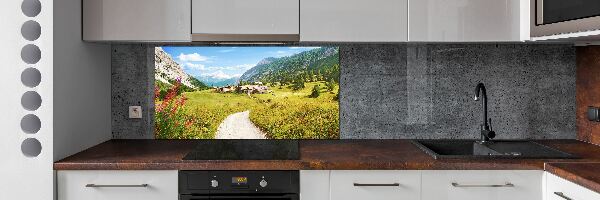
(486, 129)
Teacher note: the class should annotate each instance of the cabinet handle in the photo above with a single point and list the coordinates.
(376, 184)
(115, 186)
(560, 194)
(492, 185)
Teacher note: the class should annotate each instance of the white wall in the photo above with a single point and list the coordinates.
(24, 177)
(75, 82)
(82, 89)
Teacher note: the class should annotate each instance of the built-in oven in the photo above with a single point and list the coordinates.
(237, 185)
(552, 17)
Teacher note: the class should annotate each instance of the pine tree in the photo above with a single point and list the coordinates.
(337, 96)
(319, 76)
(316, 91)
(299, 83)
(330, 85)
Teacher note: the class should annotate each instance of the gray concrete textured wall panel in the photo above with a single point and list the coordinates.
(531, 89)
(132, 85)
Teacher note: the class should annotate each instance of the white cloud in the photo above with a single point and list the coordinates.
(283, 53)
(194, 57)
(189, 65)
(242, 67)
(221, 75)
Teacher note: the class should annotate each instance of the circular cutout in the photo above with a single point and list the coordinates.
(31, 100)
(31, 147)
(31, 124)
(31, 77)
(31, 30)
(31, 54)
(31, 8)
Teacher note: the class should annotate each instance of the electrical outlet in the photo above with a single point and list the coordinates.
(135, 112)
(593, 114)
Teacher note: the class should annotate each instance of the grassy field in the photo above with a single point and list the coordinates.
(215, 107)
(282, 114)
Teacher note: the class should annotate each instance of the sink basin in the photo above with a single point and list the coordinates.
(496, 149)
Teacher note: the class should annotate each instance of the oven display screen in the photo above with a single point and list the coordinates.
(239, 180)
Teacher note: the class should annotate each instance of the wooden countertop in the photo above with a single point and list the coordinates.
(584, 174)
(314, 154)
(332, 155)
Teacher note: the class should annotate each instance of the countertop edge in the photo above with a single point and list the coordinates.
(573, 176)
(392, 154)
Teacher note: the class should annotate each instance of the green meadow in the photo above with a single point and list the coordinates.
(283, 113)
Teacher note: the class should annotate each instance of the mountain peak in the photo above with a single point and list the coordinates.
(275, 69)
(166, 70)
(267, 60)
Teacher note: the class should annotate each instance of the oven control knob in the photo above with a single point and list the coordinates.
(214, 183)
(263, 183)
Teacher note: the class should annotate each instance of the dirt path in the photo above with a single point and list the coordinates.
(238, 126)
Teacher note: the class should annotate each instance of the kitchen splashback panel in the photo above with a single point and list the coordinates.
(412, 91)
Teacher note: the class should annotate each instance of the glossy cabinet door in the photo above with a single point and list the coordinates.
(353, 20)
(560, 189)
(136, 20)
(235, 17)
(375, 185)
(314, 184)
(117, 185)
(468, 20)
(482, 184)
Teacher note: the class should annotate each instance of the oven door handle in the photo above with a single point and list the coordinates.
(240, 196)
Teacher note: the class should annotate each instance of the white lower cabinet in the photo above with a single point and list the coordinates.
(421, 185)
(117, 185)
(482, 185)
(375, 185)
(560, 189)
(341, 185)
(314, 184)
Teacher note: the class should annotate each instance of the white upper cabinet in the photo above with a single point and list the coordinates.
(353, 20)
(307, 20)
(136, 20)
(245, 20)
(468, 20)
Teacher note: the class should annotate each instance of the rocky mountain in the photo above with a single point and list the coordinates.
(266, 61)
(321, 62)
(253, 72)
(167, 71)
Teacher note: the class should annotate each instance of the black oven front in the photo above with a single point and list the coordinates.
(240, 197)
(238, 185)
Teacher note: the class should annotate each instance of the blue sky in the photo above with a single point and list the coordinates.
(225, 62)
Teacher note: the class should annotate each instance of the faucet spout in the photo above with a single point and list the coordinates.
(481, 88)
(480, 94)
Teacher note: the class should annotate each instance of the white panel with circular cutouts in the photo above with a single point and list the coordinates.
(26, 67)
